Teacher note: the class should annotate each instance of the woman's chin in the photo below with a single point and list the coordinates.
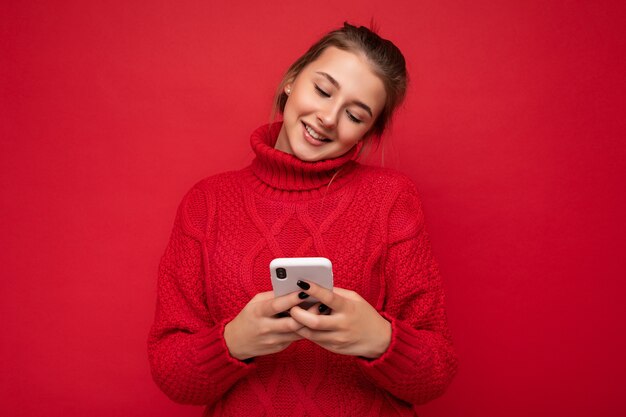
(304, 153)
(308, 157)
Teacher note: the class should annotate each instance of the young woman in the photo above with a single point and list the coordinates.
(378, 343)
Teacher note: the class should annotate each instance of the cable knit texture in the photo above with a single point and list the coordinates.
(368, 221)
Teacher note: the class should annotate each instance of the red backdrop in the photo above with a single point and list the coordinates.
(513, 130)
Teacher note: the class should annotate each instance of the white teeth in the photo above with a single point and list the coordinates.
(313, 133)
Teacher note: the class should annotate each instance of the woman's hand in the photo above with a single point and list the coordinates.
(256, 330)
(353, 328)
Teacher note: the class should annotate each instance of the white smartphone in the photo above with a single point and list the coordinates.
(286, 272)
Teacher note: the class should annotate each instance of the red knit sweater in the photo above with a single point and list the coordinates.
(229, 227)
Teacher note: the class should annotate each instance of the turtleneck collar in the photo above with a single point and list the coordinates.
(285, 172)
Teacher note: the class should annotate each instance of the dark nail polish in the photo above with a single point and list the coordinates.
(323, 308)
(304, 285)
(303, 295)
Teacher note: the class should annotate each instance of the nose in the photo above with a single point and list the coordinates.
(327, 117)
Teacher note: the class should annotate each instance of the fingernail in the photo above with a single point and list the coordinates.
(303, 295)
(323, 308)
(304, 285)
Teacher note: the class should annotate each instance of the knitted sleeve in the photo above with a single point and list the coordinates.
(188, 355)
(420, 361)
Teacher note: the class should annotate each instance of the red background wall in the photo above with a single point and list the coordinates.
(513, 130)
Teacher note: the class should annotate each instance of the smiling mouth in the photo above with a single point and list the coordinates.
(314, 134)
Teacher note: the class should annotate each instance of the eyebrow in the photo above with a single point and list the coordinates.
(336, 84)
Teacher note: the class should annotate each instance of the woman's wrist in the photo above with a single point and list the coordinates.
(230, 340)
(381, 343)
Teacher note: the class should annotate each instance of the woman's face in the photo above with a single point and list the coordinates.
(332, 104)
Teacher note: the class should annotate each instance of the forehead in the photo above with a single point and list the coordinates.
(353, 73)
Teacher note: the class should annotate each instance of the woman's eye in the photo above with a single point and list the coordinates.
(321, 92)
(353, 118)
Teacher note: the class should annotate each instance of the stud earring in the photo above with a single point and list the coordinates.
(288, 91)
